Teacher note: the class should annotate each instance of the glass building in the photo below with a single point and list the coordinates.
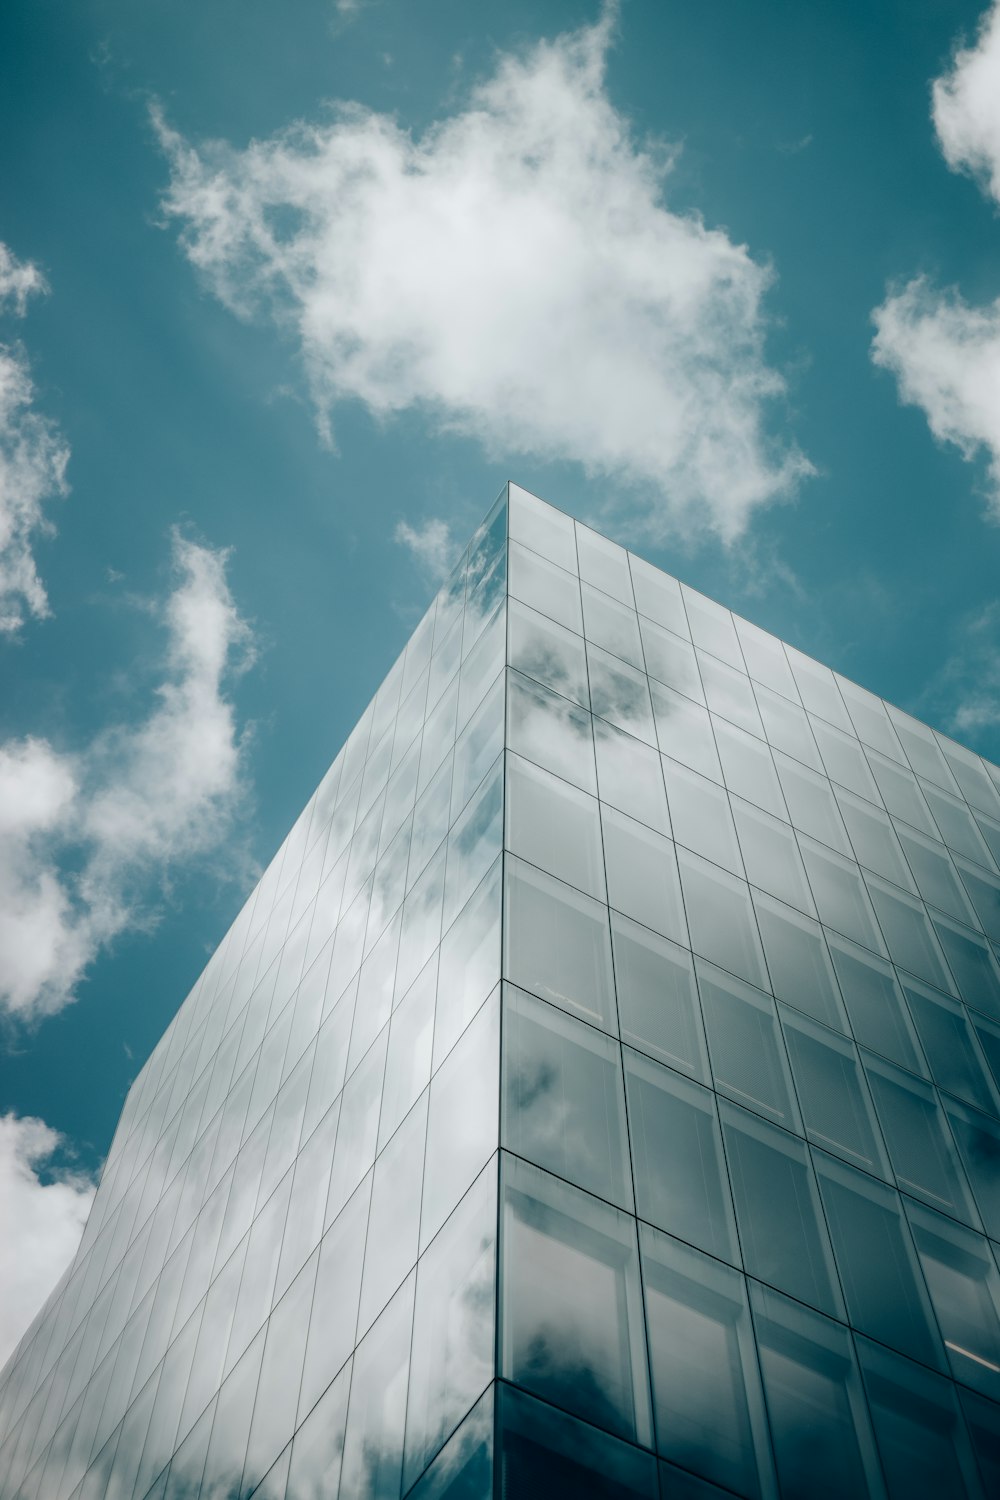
(598, 1095)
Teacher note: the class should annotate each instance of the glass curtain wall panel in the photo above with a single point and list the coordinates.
(599, 1094)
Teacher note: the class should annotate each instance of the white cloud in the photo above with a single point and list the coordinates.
(944, 353)
(966, 107)
(43, 1221)
(33, 460)
(83, 836)
(945, 356)
(516, 274)
(966, 692)
(431, 544)
(18, 280)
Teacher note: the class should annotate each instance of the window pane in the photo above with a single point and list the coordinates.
(919, 1428)
(798, 962)
(935, 875)
(463, 1470)
(771, 856)
(950, 1046)
(474, 843)
(700, 816)
(681, 1186)
(658, 596)
(748, 767)
(373, 1446)
(572, 1308)
(612, 626)
(918, 1139)
(978, 1140)
(545, 586)
(657, 999)
(549, 653)
(547, 1452)
(642, 874)
(956, 824)
(557, 945)
(629, 776)
(280, 1375)
(765, 659)
(973, 966)
(882, 1283)
(542, 528)
(394, 1217)
(720, 918)
(671, 660)
(745, 1045)
(874, 838)
(564, 1103)
(900, 793)
(844, 760)
(463, 1121)
(787, 728)
(333, 1323)
(712, 627)
(706, 1390)
(478, 746)
(620, 694)
(551, 731)
(908, 933)
(604, 564)
(782, 1230)
(984, 890)
(833, 1094)
(357, 1134)
(811, 804)
(318, 1449)
(684, 730)
(817, 689)
(965, 1290)
(553, 825)
(822, 1440)
(452, 1358)
(729, 694)
(470, 964)
(879, 1017)
(408, 1060)
(840, 895)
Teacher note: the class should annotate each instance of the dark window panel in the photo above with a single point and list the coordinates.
(819, 1423)
(685, 1189)
(798, 962)
(544, 1451)
(745, 1046)
(707, 1400)
(572, 1325)
(563, 1097)
(919, 1428)
(918, 1139)
(782, 1230)
(883, 1285)
(657, 999)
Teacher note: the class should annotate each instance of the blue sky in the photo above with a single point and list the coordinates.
(287, 292)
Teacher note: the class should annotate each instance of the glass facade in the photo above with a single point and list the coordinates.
(599, 1095)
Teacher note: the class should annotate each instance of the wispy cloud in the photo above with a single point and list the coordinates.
(43, 1209)
(431, 544)
(33, 459)
(966, 691)
(944, 353)
(516, 274)
(85, 835)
